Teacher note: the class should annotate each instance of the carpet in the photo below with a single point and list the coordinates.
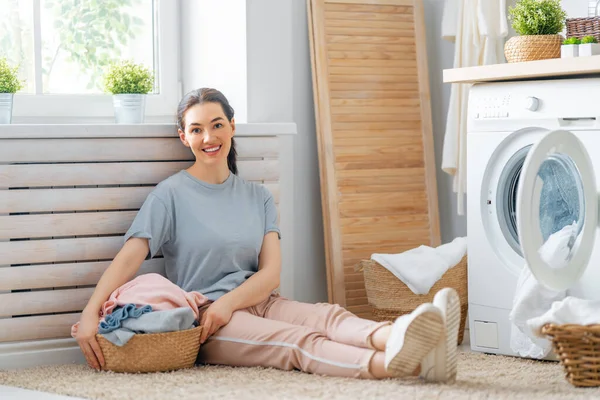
(480, 377)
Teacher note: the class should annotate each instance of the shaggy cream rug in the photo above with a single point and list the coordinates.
(480, 377)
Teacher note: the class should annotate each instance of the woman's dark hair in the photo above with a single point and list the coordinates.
(207, 95)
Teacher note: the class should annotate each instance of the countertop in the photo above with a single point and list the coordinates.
(552, 68)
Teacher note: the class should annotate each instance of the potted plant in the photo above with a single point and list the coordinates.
(538, 23)
(9, 85)
(129, 84)
(589, 46)
(570, 47)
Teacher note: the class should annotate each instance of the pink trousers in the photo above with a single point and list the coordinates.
(322, 338)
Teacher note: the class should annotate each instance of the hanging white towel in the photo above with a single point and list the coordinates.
(570, 310)
(422, 267)
(533, 299)
(481, 28)
(450, 20)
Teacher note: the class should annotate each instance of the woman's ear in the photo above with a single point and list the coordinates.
(232, 126)
(182, 137)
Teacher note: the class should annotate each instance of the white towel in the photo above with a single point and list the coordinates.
(450, 20)
(570, 310)
(532, 299)
(422, 267)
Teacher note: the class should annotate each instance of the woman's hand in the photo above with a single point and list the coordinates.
(218, 314)
(86, 338)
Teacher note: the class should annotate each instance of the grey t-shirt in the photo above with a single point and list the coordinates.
(210, 234)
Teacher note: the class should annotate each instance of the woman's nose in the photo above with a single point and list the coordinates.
(207, 136)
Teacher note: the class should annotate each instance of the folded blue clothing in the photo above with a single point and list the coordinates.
(173, 320)
(115, 319)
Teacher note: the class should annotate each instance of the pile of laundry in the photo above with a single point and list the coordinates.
(420, 268)
(149, 303)
(536, 305)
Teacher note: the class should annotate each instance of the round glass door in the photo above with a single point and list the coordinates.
(557, 209)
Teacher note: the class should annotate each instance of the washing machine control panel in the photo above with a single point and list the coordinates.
(493, 107)
(568, 102)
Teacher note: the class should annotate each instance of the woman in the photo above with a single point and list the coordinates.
(219, 236)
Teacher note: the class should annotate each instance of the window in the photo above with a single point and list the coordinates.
(63, 48)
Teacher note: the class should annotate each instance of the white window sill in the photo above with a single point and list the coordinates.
(31, 131)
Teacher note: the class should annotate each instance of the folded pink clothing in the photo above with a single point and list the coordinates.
(154, 290)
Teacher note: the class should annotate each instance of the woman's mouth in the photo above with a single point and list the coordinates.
(212, 150)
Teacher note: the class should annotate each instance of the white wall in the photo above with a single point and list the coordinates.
(213, 49)
(280, 90)
(440, 56)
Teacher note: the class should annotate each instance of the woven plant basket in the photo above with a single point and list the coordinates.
(581, 27)
(152, 352)
(578, 347)
(391, 298)
(532, 47)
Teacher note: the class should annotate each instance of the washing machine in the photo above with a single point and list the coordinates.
(533, 164)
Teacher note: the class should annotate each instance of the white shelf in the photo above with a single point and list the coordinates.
(556, 67)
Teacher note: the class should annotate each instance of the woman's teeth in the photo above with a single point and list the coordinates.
(212, 149)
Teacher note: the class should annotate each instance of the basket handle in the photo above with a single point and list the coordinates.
(360, 267)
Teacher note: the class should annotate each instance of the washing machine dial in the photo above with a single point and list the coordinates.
(531, 103)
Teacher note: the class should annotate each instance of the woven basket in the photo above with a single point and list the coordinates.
(152, 352)
(532, 47)
(391, 298)
(580, 27)
(578, 348)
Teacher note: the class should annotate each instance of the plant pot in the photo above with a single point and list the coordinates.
(569, 50)
(6, 105)
(129, 108)
(532, 47)
(589, 49)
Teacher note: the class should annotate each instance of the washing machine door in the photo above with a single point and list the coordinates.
(557, 208)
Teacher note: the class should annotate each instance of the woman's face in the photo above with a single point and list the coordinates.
(208, 133)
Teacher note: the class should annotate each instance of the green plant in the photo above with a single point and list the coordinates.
(9, 80)
(572, 40)
(91, 33)
(128, 77)
(537, 17)
(589, 39)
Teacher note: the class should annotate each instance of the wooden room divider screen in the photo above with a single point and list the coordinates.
(376, 155)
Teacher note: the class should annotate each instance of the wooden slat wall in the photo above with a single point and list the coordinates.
(65, 204)
(375, 141)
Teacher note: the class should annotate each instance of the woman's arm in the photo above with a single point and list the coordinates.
(254, 290)
(124, 266)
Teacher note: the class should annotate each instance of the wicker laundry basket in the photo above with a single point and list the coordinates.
(152, 352)
(578, 348)
(391, 298)
(581, 27)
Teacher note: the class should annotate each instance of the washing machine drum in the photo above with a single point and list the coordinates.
(551, 200)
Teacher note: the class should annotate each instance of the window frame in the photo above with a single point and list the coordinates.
(161, 107)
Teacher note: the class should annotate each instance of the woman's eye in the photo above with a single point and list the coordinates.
(219, 125)
(195, 130)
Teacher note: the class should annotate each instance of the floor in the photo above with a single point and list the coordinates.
(13, 393)
(479, 377)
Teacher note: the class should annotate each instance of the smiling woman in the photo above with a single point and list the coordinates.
(219, 235)
(206, 125)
